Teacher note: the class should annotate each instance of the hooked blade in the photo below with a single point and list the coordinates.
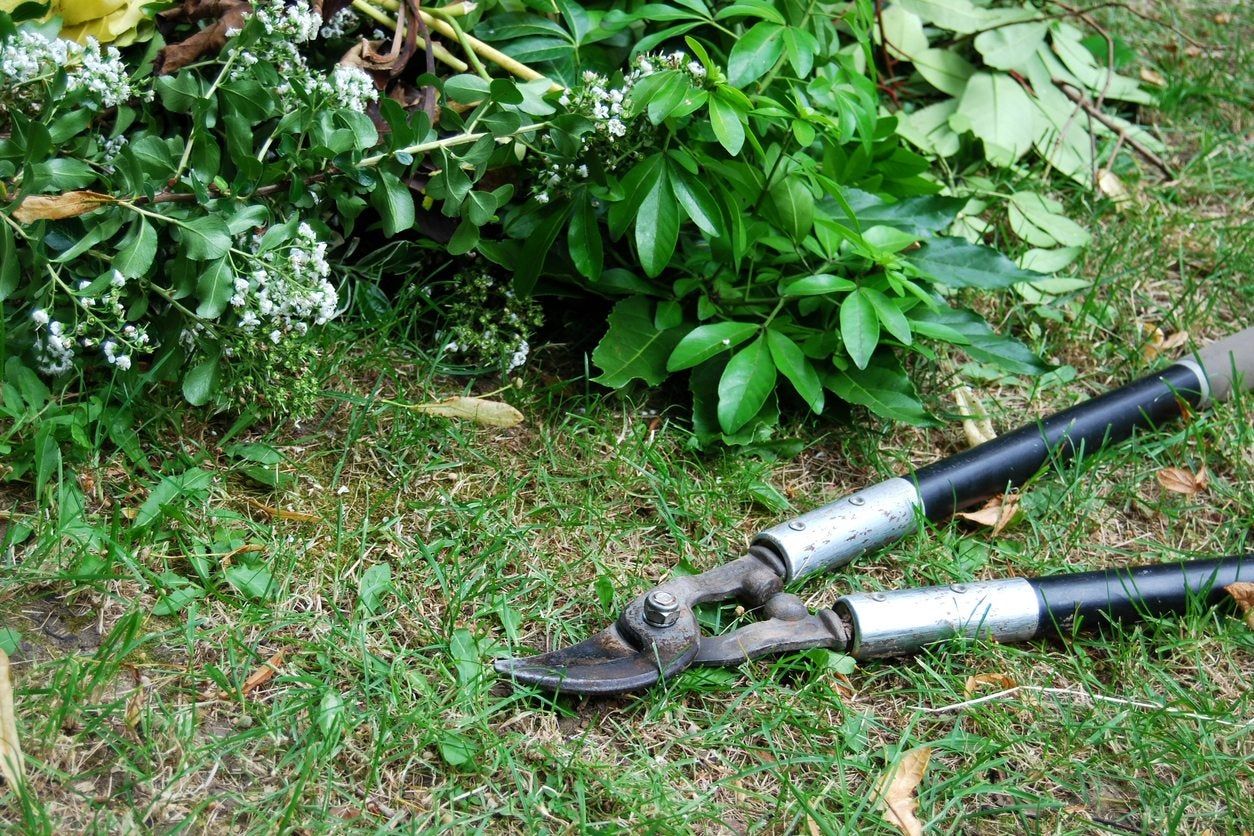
(603, 665)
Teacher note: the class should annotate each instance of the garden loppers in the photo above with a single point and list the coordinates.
(657, 635)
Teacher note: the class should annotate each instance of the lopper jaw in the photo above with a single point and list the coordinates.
(657, 636)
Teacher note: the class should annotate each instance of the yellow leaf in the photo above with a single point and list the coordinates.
(894, 792)
(1243, 593)
(1153, 77)
(81, 11)
(1154, 340)
(1179, 480)
(12, 765)
(999, 680)
(491, 413)
(55, 207)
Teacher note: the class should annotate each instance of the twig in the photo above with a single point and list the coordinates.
(438, 51)
(494, 55)
(1080, 99)
(1078, 695)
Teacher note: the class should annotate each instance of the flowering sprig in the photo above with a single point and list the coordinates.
(32, 58)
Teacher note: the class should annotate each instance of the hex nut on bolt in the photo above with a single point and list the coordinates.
(661, 609)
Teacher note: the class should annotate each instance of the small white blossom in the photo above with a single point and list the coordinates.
(342, 23)
(40, 316)
(351, 88)
(542, 198)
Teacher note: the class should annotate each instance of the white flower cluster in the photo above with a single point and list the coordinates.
(31, 56)
(288, 290)
(54, 350)
(487, 325)
(351, 88)
(342, 23)
(295, 22)
(284, 28)
(102, 74)
(101, 321)
(615, 130)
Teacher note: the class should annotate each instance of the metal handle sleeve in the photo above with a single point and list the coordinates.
(1093, 598)
(1228, 364)
(1017, 609)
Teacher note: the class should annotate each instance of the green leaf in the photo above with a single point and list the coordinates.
(657, 226)
(176, 601)
(192, 484)
(331, 713)
(696, 200)
(138, 251)
(394, 203)
(883, 389)
(1040, 222)
(889, 315)
(859, 327)
(955, 262)
(466, 88)
(375, 583)
(928, 128)
(794, 365)
(632, 347)
(725, 118)
(706, 341)
(1009, 47)
(10, 640)
(913, 214)
(901, 32)
(47, 456)
(747, 382)
(465, 238)
(793, 205)
(754, 53)
(583, 239)
(200, 383)
(9, 267)
(214, 288)
(996, 109)
(944, 69)
(205, 239)
(819, 284)
(251, 580)
(960, 16)
(983, 343)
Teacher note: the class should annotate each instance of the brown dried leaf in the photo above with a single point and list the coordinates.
(1154, 340)
(491, 413)
(1000, 680)
(259, 677)
(282, 513)
(230, 15)
(1243, 594)
(1153, 77)
(894, 792)
(12, 764)
(1179, 480)
(998, 512)
(56, 207)
(1175, 340)
(1223, 18)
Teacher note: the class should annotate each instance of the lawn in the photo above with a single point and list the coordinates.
(365, 567)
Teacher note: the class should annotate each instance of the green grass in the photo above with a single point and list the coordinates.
(384, 714)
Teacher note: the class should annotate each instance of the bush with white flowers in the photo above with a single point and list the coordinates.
(726, 182)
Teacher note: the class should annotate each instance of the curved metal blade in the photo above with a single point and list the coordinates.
(602, 665)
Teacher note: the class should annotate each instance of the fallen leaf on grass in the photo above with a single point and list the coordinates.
(1157, 340)
(1109, 184)
(997, 512)
(282, 513)
(1153, 77)
(259, 677)
(1179, 480)
(56, 207)
(491, 413)
(894, 792)
(1243, 594)
(12, 765)
(975, 421)
(1000, 680)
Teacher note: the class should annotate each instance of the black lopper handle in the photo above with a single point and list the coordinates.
(1068, 602)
